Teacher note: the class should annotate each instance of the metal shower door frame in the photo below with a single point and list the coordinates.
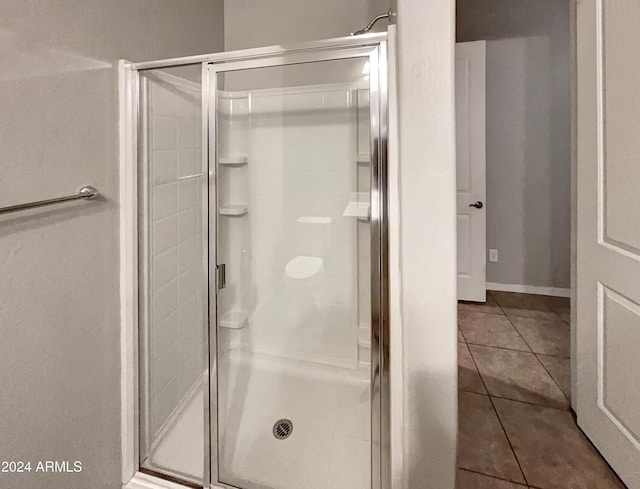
(372, 47)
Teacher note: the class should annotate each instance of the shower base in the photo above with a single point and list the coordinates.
(328, 448)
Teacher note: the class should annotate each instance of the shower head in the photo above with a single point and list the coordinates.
(373, 22)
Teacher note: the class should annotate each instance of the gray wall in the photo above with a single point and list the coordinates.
(377, 7)
(528, 135)
(59, 309)
(251, 23)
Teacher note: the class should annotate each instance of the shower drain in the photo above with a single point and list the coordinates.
(282, 429)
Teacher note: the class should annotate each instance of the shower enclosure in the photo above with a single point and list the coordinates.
(262, 251)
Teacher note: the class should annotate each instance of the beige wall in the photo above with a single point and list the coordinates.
(377, 7)
(528, 135)
(59, 309)
(253, 24)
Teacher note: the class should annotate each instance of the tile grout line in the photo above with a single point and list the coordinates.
(501, 348)
(538, 360)
(546, 406)
(514, 327)
(562, 410)
(462, 334)
(554, 380)
(536, 356)
(503, 313)
(498, 417)
(545, 369)
(492, 476)
(508, 439)
(486, 313)
(526, 343)
(525, 402)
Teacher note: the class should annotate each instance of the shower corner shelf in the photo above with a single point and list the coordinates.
(364, 337)
(233, 160)
(233, 209)
(363, 159)
(234, 320)
(360, 210)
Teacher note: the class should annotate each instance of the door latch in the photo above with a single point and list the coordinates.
(222, 275)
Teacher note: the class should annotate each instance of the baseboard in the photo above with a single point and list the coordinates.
(529, 289)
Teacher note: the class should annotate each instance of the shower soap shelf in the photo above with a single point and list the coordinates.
(233, 160)
(234, 320)
(234, 209)
(357, 209)
(363, 159)
(358, 206)
(364, 337)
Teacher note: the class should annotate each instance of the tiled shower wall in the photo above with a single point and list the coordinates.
(175, 349)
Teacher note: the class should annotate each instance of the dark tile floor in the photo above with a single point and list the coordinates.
(515, 426)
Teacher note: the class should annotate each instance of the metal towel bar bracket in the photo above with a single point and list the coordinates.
(87, 193)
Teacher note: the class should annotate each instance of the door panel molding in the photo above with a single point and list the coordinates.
(607, 307)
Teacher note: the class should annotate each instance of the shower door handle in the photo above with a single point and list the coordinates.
(222, 276)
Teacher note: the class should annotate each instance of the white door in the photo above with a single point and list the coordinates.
(608, 232)
(471, 163)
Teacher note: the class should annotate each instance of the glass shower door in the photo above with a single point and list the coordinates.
(172, 273)
(295, 358)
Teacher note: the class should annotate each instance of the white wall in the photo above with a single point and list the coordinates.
(59, 314)
(528, 136)
(427, 242)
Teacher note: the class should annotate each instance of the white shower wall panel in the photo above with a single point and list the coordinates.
(301, 148)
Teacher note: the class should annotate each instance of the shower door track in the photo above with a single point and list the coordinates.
(373, 46)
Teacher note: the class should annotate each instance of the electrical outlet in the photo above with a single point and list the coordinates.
(493, 255)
